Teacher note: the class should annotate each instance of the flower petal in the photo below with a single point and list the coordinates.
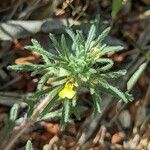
(67, 91)
(70, 94)
(62, 94)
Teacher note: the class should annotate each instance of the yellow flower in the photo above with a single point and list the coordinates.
(68, 91)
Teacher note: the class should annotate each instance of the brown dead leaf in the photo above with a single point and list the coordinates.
(52, 128)
(25, 60)
(21, 43)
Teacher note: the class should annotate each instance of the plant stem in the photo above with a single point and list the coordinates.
(30, 121)
(14, 139)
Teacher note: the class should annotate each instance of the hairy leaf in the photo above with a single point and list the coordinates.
(90, 37)
(114, 74)
(14, 112)
(102, 36)
(108, 63)
(117, 93)
(108, 49)
(66, 111)
(132, 81)
(29, 145)
(97, 103)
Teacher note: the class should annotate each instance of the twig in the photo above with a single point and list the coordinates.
(10, 101)
(10, 83)
(100, 136)
(13, 141)
(147, 120)
(103, 134)
(144, 36)
(131, 144)
(30, 121)
(15, 7)
(40, 107)
(90, 127)
(141, 17)
(34, 4)
(137, 61)
(11, 98)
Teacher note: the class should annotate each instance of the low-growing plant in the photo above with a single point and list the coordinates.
(67, 70)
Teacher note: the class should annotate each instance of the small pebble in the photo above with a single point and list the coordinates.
(117, 137)
(125, 119)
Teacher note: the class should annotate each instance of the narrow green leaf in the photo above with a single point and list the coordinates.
(51, 90)
(42, 81)
(114, 74)
(54, 102)
(51, 95)
(24, 67)
(14, 112)
(52, 115)
(35, 42)
(102, 36)
(77, 114)
(70, 32)
(78, 110)
(38, 48)
(97, 103)
(66, 111)
(116, 6)
(129, 96)
(46, 55)
(92, 90)
(37, 94)
(117, 93)
(103, 83)
(90, 37)
(76, 38)
(108, 63)
(134, 78)
(81, 38)
(58, 80)
(75, 49)
(29, 145)
(109, 49)
(39, 71)
(56, 44)
(64, 46)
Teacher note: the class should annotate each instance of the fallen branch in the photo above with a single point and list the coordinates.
(12, 30)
